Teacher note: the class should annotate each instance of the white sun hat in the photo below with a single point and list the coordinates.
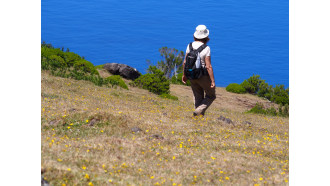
(201, 32)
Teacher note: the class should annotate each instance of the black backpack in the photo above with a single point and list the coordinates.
(193, 68)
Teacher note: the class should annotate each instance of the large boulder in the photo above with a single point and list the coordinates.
(123, 70)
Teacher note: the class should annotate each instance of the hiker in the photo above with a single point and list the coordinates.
(199, 70)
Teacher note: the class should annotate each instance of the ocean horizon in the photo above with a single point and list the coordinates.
(246, 38)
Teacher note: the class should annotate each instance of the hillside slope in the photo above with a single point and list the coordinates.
(102, 135)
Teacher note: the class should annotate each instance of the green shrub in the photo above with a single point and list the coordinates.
(259, 109)
(271, 111)
(264, 89)
(286, 110)
(155, 82)
(68, 65)
(85, 66)
(99, 67)
(71, 58)
(283, 110)
(168, 96)
(251, 85)
(236, 88)
(116, 80)
(255, 85)
(178, 80)
(56, 61)
(280, 95)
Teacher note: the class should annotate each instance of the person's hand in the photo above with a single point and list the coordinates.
(212, 84)
(184, 79)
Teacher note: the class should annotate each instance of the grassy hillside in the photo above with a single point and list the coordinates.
(87, 137)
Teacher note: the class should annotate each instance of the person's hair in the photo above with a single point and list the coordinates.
(204, 40)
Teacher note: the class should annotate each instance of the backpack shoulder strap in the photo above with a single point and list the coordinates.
(201, 48)
(190, 47)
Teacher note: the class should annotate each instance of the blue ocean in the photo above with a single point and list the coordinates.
(246, 37)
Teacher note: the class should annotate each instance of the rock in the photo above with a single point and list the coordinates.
(55, 122)
(123, 70)
(44, 182)
(247, 122)
(221, 118)
(228, 121)
(72, 110)
(113, 68)
(156, 136)
(136, 129)
(93, 121)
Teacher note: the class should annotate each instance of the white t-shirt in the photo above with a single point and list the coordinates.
(206, 52)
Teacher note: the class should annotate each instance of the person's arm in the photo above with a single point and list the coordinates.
(184, 78)
(210, 70)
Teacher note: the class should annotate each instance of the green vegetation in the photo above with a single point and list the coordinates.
(283, 110)
(236, 88)
(259, 109)
(171, 65)
(171, 62)
(168, 96)
(70, 65)
(87, 138)
(255, 85)
(116, 80)
(99, 67)
(178, 80)
(251, 85)
(155, 81)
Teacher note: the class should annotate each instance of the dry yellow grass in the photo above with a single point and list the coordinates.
(193, 150)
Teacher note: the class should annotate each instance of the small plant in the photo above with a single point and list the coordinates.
(236, 88)
(284, 110)
(116, 80)
(259, 109)
(169, 96)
